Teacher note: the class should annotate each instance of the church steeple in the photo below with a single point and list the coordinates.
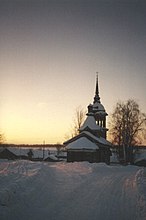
(96, 97)
(98, 111)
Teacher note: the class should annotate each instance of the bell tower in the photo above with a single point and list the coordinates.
(98, 110)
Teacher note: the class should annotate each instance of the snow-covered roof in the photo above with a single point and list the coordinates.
(101, 140)
(51, 157)
(90, 136)
(90, 123)
(37, 153)
(19, 151)
(82, 143)
(100, 113)
(98, 106)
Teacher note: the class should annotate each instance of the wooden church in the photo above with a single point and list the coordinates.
(91, 144)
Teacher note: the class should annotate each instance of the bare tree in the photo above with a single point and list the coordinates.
(127, 126)
(78, 120)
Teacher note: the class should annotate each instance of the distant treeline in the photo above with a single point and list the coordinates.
(134, 147)
(32, 145)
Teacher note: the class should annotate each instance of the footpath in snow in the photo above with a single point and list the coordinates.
(71, 191)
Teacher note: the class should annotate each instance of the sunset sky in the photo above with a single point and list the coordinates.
(50, 51)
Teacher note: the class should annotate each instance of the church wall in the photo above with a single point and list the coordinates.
(97, 156)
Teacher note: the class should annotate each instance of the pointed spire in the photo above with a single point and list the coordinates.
(97, 90)
(97, 98)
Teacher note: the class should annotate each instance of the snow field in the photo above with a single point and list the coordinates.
(81, 191)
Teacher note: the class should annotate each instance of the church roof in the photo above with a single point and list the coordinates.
(82, 143)
(100, 140)
(90, 123)
(87, 135)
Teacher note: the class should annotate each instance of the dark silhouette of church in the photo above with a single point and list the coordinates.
(91, 144)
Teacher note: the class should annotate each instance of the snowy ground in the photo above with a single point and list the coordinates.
(71, 191)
